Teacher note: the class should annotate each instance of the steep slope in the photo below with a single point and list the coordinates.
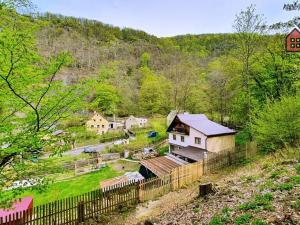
(93, 44)
(265, 191)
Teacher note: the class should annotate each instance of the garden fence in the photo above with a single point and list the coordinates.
(75, 210)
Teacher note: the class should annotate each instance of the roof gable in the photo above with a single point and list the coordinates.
(202, 124)
(294, 32)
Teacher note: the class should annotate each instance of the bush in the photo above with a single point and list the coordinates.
(296, 205)
(223, 218)
(163, 150)
(285, 187)
(243, 219)
(297, 167)
(216, 220)
(278, 124)
(258, 202)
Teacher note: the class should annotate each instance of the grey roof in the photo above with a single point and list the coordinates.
(201, 123)
(57, 132)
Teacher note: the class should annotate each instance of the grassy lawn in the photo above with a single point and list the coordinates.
(66, 185)
(141, 139)
(80, 184)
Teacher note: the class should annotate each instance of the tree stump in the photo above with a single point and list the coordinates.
(205, 189)
(148, 222)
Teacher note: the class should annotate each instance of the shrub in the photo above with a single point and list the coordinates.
(285, 187)
(278, 124)
(243, 219)
(296, 205)
(163, 150)
(276, 173)
(297, 167)
(216, 220)
(223, 218)
(295, 180)
(258, 202)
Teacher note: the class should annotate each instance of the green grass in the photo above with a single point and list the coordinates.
(78, 185)
(258, 202)
(163, 150)
(297, 167)
(141, 138)
(243, 219)
(223, 218)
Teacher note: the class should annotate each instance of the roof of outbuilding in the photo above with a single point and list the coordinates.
(163, 165)
(201, 123)
(127, 177)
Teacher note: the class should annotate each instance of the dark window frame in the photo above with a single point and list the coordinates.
(182, 138)
(198, 140)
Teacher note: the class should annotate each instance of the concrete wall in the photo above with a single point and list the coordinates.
(217, 144)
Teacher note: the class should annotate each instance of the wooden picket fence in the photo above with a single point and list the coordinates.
(215, 162)
(75, 210)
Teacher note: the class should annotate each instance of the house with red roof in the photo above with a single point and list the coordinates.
(293, 41)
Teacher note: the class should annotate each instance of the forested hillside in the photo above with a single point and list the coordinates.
(223, 75)
(55, 69)
(144, 74)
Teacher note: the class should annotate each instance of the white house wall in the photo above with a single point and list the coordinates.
(178, 140)
(188, 140)
(193, 134)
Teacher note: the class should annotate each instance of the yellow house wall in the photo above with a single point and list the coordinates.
(99, 123)
(217, 144)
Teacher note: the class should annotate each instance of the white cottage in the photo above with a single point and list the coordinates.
(135, 122)
(192, 136)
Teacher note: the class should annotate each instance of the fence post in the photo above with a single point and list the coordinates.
(203, 165)
(80, 212)
(138, 191)
(229, 158)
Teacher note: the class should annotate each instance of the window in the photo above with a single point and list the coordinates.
(174, 137)
(197, 140)
(92, 126)
(98, 126)
(102, 126)
(182, 138)
(293, 45)
(298, 45)
(292, 39)
(298, 39)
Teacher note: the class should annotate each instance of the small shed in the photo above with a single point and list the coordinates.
(19, 207)
(160, 166)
